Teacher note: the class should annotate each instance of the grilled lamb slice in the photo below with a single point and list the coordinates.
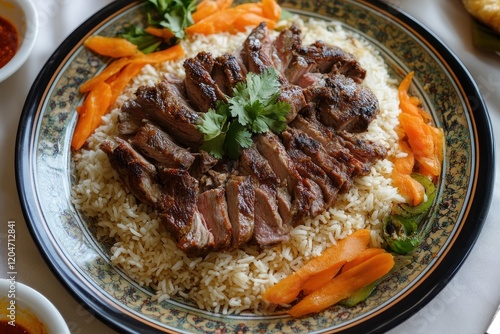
(180, 215)
(309, 124)
(203, 162)
(227, 73)
(334, 60)
(240, 196)
(165, 105)
(292, 95)
(135, 171)
(271, 148)
(284, 45)
(128, 124)
(159, 146)
(257, 50)
(198, 241)
(206, 60)
(201, 89)
(269, 228)
(252, 163)
(298, 67)
(311, 79)
(338, 172)
(356, 152)
(343, 104)
(213, 206)
(363, 150)
(308, 169)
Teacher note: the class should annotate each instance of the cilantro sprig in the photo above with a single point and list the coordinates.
(174, 15)
(254, 108)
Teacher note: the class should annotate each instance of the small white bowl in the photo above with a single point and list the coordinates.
(22, 14)
(30, 306)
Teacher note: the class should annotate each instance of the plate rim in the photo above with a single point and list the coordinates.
(410, 304)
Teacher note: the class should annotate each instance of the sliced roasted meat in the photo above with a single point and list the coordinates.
(298, 67)
(334, 60)
(269, 228)
(294, 96)
(308, 169)
(213, 206)
(273, 208)
(159, 146)
(353, 151)
(252, 163)
(180, 215)
(362, 149)
(302, 195)
(139, 175)
(128, 124)
(202, 90)
(257, 50)
(203, 162)
(343, 104)
(337, 171)
(165, 105)
(284, 45)
(309, 124)
(206, 60)
(227, 73)
(240, 196)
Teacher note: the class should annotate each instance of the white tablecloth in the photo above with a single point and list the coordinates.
(465, 306)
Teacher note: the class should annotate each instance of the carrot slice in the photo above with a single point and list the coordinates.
(271, 9)
(409, 188)
(344, 285)
(112, 69)
(164, 33)
(111, 46)
(286, 290)
(250, 19)
(404, 165)
(94, 107)
(233, 19)
(365, 255)
(209, 7)
(118, 84)
(320, 279)
(172, 53)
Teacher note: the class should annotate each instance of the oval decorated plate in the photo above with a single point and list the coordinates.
(45, 174)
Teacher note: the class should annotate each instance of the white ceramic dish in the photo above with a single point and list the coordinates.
(29, 303)
(22, 14)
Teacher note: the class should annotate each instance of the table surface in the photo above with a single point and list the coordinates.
(466, 305)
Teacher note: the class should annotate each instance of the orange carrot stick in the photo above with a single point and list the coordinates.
(172, 53)
(344, 285)
(164, 33)
(209, 7)
(271, 9)
(118, 84)
(286, 290)
(112, 69)
(94, 107)
(320, 279)
(111, 46)
(365, 255)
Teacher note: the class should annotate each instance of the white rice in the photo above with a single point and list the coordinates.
(232, 282)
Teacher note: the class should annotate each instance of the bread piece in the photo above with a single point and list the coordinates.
(486, 11)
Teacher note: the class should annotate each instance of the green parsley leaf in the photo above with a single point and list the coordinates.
(254, 108)
(237, 137)
(145, 42)
(213, 124)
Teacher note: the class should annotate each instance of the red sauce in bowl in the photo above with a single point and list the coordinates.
(9, 41)
(6, 328)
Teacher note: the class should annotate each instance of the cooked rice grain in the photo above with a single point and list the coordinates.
(233, 282)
